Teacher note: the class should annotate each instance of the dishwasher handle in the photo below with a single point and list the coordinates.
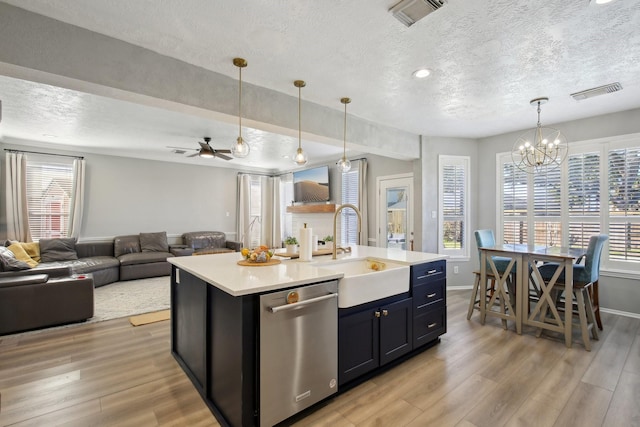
(302, 303)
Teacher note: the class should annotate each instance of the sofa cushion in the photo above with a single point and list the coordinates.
(126, 245)
(154, 242)
(9, 262)
(61, 249)
(143, 258)
(22, 255)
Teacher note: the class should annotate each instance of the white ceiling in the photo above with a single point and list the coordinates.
(488, 60)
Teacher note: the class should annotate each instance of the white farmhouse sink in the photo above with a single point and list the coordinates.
(362, 284)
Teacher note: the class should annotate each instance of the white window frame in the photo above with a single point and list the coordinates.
(38, 184)
(602, 146)
(460, 254)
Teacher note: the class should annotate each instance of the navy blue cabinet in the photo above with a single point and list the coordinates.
(373, 334)
(428, 287)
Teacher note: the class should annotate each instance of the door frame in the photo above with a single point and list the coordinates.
(405, 179)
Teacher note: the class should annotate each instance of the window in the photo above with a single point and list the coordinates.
(565, 206)
(624, 204)
(49, 189)
(348, 218)
(454, 185)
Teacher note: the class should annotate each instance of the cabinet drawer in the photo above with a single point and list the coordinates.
(429, 326)
(428, 272)
(426, 297)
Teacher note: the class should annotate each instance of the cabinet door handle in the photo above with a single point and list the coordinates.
(377, 314)
(385, 312)
(431, 295)
(431, 325)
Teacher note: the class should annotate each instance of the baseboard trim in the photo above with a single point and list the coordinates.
(459, 288)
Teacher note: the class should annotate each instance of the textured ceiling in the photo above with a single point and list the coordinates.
(488, 58)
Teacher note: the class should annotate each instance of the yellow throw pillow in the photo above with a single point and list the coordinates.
(22, 255)
(32, 249)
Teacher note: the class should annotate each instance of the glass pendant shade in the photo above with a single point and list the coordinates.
(344, 165)
(300, 157)
(241, 148)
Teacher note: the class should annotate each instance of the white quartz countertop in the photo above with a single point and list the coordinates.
(222, 270)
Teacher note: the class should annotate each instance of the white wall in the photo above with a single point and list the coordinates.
(432, 147)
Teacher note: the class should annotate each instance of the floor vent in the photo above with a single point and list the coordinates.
(411, 11)
(596, 91)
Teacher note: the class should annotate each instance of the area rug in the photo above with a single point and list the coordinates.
(145, 319)
(131, 297)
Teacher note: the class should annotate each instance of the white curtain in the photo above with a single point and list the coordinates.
(16, 197)
(244, 210)
(363, 199)
(77, 198)
(270, 232)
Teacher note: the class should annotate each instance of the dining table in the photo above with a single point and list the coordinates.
(521, 294)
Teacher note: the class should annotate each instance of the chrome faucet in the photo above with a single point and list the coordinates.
(335, 220)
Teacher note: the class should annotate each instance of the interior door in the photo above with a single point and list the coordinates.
(395, 205)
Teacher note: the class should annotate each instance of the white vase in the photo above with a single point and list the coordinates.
(292, 249)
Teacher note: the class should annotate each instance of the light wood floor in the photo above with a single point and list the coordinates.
(112, 374)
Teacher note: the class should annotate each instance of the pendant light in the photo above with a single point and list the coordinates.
(541, 149)
(240, 148)
(344, 165)
(300, 158)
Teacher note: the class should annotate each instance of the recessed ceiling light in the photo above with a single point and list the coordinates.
(285, 156)
(603, 1)
(421, 73)
(48, 135)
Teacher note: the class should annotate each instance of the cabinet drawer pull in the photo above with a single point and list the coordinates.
(377, 314)
(385, 312)
(429, 273)
(431, 325)
(431, 295)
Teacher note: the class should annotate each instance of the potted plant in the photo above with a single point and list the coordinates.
(328, 242)
(292, 244)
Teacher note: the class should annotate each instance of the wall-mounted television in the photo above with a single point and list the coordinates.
(311, 185)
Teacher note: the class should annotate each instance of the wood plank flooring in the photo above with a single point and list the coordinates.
(113, 374)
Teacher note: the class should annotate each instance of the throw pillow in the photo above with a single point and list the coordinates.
(61, 249)
(21, 254)
(154, 242)
(32, 249)
(8, 261)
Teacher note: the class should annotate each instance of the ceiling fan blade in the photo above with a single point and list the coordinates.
(183, 148)
(222, 156)
(194, 154)
(204, 145)
(224, 151)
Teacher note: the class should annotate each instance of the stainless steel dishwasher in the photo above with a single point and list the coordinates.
(298, 349)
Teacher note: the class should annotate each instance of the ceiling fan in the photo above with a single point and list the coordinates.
(207, 151)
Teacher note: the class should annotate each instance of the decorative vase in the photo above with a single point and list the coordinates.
(328, 245)
(292, 249)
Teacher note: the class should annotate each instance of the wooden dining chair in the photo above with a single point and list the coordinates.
(486, 238)
(585, 279)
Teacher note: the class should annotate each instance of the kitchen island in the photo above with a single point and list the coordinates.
(216, 323)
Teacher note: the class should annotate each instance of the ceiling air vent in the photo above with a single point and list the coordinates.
(411, 11)
(600, 90)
